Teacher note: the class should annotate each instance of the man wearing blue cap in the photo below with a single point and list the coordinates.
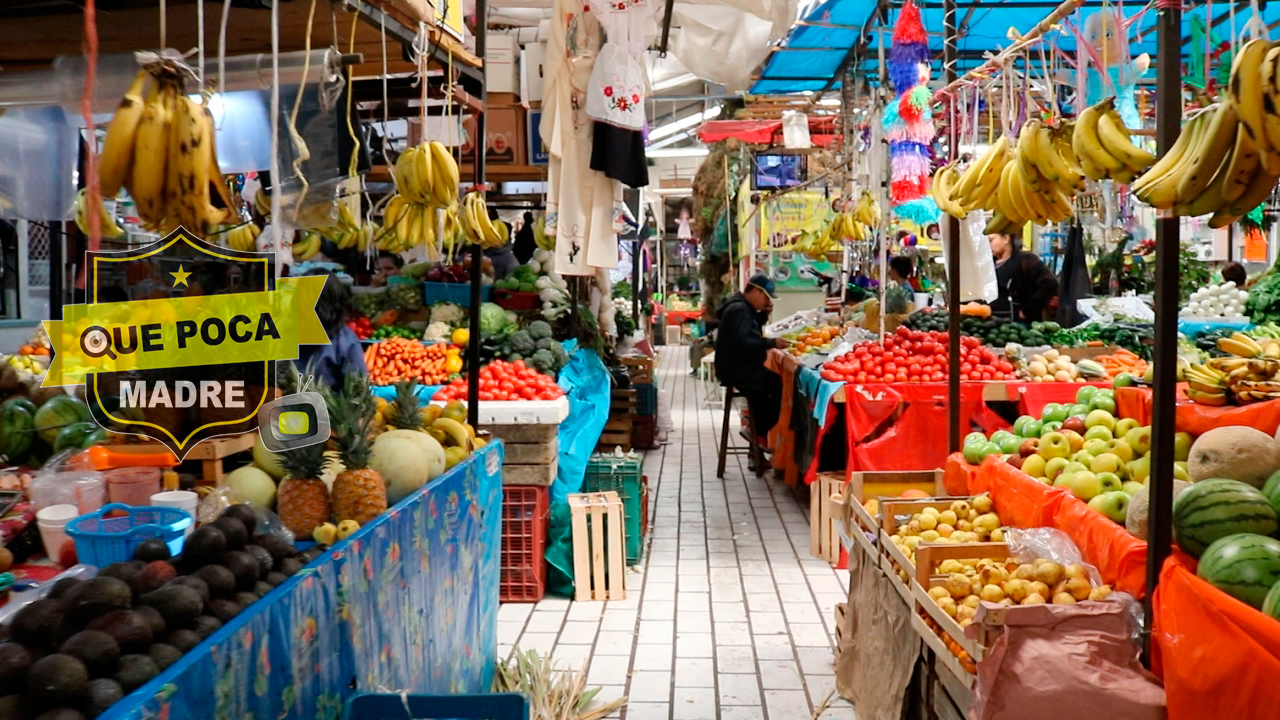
(741, 348)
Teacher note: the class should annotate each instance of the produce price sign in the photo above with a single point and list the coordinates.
(180, 338)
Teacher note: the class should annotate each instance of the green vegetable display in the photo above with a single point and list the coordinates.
(1263, 305)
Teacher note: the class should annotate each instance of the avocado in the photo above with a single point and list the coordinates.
(179, 605)
(265, 561)
(95, 597)
(62, 713)
(164, 655)
(184, 639)
(244, 566)
(62, 587)
(135, 671)
(129, 629)
(274, 579)
(245, 514)
(200, 586)
(15, 707)
(57, 679)
(309, 555)
(224, 610)
(262, 588)
(221, 581)
(15, 660)
(279, 548)
(153, 577)
(102, 694)
(203, 547)
(34, 624)
(159, 628)
(96, 649)
(234, 530)
(291, 566)
(206, 625)
(123, 570)
(152, 549)
(244, 599)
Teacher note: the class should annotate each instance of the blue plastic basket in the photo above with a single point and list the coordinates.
(102, 540)
(457, 293)
(492, 706)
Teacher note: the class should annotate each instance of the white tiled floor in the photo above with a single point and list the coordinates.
(728, 617)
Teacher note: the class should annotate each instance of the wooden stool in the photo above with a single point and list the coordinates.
(752, 448)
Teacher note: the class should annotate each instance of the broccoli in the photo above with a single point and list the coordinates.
(544, 344)
(562, 357)
(539, 329)
(544, 362)
(521, 342)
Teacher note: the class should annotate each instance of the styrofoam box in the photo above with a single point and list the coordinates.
(523, 412)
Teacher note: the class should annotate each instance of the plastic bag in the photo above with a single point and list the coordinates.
(721, 44)
(977, 268)
(66, 479)
(795, 130)
(1030, 544)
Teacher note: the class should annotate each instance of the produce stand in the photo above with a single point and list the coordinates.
(431, 560)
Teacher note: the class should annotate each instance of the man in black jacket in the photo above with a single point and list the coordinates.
(741, 347)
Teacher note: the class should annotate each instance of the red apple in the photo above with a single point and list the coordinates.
(1029, 447)
(1075, 424)
(1015, 460)
(67, 554)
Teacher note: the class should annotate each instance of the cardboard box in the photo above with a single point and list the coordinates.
(532, 57)
(537, 149)
(500, 54)
(504, 135)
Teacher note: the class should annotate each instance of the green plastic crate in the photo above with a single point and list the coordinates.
(605, 472)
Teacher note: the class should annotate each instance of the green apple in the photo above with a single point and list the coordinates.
(1034, 465)
(1132, 487)
(975, 453)
(1053, 412)
(1097, 432)
(1109, 481)
(1121, 448)
(974, 438)
(999, 435)
(1079, 410)
(1075, 467)
(1106, 462)
(1106, 393)
(1009, 443)
(1054, 445)
(1123, 425)
(1139, 439)
(1083, 484)
(1113, 504)
(1094, 447)
(1075, 439)
(1083, 457)
(1085, 394)
(1100, 418)
(1052, 426)
(1031, 429)
(1182, 446)
(1054, 467)
(1017, 424)
(1124, 379)
(1180, 471)
(1140, 469)
(1103, 402)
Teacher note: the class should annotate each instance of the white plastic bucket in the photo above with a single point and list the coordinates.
(52, 522)
(181, 499)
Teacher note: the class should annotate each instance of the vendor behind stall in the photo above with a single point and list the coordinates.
(388, 266)
(741, 348)
(1026, 285)
(344, 354)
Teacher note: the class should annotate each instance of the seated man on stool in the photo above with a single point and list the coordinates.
(740, 352)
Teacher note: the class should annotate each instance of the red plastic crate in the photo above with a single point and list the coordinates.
(522, 559)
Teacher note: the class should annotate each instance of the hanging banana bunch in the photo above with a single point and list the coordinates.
(243, 237)
(1103, 148)
(427, 181)
(106, 222)
(476, 225)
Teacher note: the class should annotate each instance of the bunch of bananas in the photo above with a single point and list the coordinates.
(161, 149)
(349, 232)
(476, 225)
(428, 175)
(262, 204)
(867, 211)
(815, 245)
(1251, 373)
(1102, 146)
(106, 222)
(1226, 160)
(243, 237)
(540, 236)
(307, 245)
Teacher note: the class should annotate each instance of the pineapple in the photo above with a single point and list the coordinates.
(359, 492)
(302, 502)
(403, 413)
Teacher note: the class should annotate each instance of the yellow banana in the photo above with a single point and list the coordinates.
(1087, 144)
(1115, 138)
(1259, 189)
(446, 174)
(1245, 89)
(1158, 187)
(150, 151)
(117, 148)
(1218, 139)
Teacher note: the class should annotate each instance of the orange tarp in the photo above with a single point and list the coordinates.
(1197, 419)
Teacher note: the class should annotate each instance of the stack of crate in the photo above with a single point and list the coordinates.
(530, 453)
(609, 472)
(645, 423)
(530, 463)
(622, 417)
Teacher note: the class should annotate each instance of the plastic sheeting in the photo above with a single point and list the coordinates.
(721, 44)
(977, 267)
(40, 147)
(1197, 419)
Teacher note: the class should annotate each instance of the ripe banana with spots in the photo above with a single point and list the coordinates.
(117, 150)
(1101, 138)
(106, 221)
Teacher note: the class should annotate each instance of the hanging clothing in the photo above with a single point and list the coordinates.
(619, 154)
(580, 201)
(617, 90)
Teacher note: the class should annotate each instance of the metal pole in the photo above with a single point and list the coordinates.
(953, 247)
(477, 257)
(1168, 118)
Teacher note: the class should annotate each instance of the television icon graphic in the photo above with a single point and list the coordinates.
(294, 421)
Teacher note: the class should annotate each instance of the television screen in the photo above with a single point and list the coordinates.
(779, 171)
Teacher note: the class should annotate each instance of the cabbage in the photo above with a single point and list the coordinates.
(492, 319)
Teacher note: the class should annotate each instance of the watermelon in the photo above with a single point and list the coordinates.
(1271, 603)
(58, 412)
(74, 436)
(1245, 566)
(1271, 489)
(1216, 508)
(17, 424)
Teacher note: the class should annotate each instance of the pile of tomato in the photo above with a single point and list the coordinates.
(361, 326)
(502, 380)
(915, 356)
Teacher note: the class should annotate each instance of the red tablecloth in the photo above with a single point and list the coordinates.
(1033, 396)
(680, 317)
(1197, 419)
(782, 440)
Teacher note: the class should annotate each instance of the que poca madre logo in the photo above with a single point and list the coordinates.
(179, 339)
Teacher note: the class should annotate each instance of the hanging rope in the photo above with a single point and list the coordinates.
(93, 190)
(164, 25)
(301, 152)
(277, 221)
(222, 48)
(200, 43)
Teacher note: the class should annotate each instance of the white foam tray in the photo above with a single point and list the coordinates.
(522, 412)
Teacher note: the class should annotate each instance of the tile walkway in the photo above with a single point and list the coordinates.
(728, 616)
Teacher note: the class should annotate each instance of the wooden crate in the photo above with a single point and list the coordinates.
(940, 651)
(530, 453)
(928, 556)
(893, 560)
(622, 415)
(523, 433)
(639, 367)
(826, 496)
(599, 550)
(209, 453)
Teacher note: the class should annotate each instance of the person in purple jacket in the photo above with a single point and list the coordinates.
(344, 354)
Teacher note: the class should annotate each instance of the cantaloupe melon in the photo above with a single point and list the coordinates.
(1135, 519)
(266, 460)
(252, 485)
(430, 447)
(1235, 452)
(403, 464)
